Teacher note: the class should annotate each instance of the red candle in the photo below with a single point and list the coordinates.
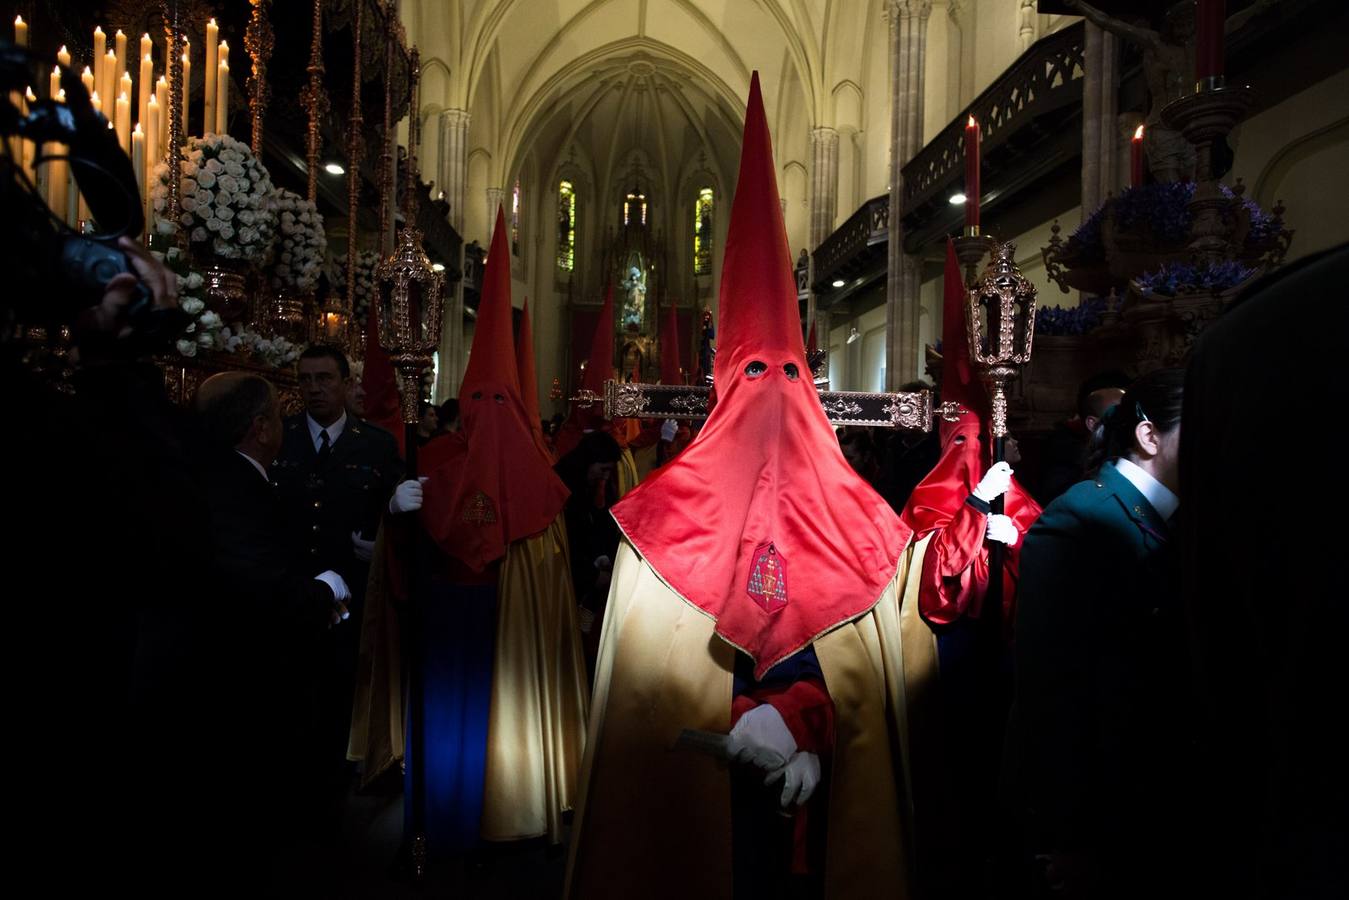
(972, 174)
(1136, 159)
(1210, 27)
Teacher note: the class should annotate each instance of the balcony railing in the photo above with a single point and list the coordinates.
(842, 250)
(1046, 79)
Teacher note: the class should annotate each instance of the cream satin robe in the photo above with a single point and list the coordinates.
(539, 694)
(652, 822)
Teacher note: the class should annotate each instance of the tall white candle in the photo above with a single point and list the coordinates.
(145, 86)
(222, 105)
(100, 56)
(122, 120)
(20, 31)
(119, 41)
(208, 96)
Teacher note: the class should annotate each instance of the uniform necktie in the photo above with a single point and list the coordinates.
(325, 448)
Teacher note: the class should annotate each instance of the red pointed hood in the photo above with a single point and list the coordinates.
(529, 381)
(760, 522)
(669, 347)
(599, 369)
(503, 489)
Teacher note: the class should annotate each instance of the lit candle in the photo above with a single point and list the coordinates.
(58, 176)
(162, 96)
(29, 148)
(54, 84)
(108, 86)
(222, 106)
(100, 46)
(212, 64)
(96, 102)
(223, 52)
(187, 85)
(1136, 158)
(63, 56)
(124, 86)
(122, 119)
(972, 175)
(120, 41)
(1210, 28)
(147, 45)
(20, 31)
(138, 158)
(144, 86)
(88, 78)
(152, 145)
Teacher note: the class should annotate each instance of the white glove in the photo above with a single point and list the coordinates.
(338, 585)
(407, 497)
(1002, 530)
(668, 430)
(799, 777)
(364, 550)
(762, 739)
(995, 483)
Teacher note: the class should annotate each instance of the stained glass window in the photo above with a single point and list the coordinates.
(702, 232)
(515, 219)
(634, 208)
(566, 226)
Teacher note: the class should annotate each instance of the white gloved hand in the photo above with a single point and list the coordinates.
(1002, 530)
(337, 584)
(407, 497)
(994, 484)
(668, 430)
(799, 777)
(364, 550)
(762, 739)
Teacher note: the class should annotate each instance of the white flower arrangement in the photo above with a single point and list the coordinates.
(366, 263)
(208, 332)
(229, 210)
(301, 244)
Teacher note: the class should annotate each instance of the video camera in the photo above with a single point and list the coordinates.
(53, 272)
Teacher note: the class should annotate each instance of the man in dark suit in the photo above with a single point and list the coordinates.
(271, 614)
(337, 476)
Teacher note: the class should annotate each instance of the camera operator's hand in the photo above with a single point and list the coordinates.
(108, 318)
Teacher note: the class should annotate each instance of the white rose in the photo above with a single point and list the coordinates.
(248, 235)
(199, 234)
(247, 216)
(189, 203)
(211, 319)
(187, 348)
(213, 224)
(191, 305)
(160, 203)
(204, 198)
(194, 281)
(224, 198)
(225, 213)
(206, 180)
(228, 183)
(226, 231)
(187, 220)
(233, 168)
(214, 166)
(205, 340)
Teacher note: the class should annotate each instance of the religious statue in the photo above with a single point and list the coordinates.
(1168, 65)
(634, 301)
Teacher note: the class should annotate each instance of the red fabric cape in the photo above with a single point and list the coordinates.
(761, 523)
(501, 486)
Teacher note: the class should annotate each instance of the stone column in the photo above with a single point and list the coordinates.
(908, 44)
(452, 172)
(454, 163)
(1099, 118)
(823, 199)
(496, 198)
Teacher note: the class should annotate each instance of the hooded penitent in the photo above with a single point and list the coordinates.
(502, 487)
(761, 523)
(955, 575)
(599, 369)
(529, 381)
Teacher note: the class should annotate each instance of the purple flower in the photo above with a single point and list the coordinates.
(1183, 278)
(1055, 321)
